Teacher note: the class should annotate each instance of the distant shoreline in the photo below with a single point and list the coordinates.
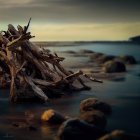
(78, 43)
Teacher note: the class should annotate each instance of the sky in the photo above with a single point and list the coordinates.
(74, 20)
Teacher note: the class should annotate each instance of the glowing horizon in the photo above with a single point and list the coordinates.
(74, 20)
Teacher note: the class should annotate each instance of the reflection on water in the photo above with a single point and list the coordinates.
(123, 93)
(47, 132)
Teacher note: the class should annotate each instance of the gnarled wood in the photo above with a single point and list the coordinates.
(32, 68)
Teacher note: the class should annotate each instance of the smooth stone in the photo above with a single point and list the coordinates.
(127, 59)
(53, 117)
(75, 129)
(94, 117)
(94, 56)
(86, 51)
(92, 104)
(104, 58)
(113, 66)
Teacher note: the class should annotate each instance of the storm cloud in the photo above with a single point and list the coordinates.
(70, 11)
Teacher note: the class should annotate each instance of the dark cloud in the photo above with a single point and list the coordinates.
(70, 11)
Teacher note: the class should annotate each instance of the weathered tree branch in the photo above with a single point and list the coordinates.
(34, 68)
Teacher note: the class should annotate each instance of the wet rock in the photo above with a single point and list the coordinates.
(94, 117)
(104, 58)
(127, 59)
(94, 56)
(76, 129)
(53, 117)
(119, 135)
(92, 104)
(113, 66)
(85, 51)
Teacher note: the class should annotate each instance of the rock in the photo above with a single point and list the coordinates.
(127, 59)
(94, 117)
(104, 58)
(92, 104)
(86, 51)
(52, 117)
(76, 129)
(94, 56)
(113, 66)
(119, 135)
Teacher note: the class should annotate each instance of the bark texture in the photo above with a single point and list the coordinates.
(32, 71)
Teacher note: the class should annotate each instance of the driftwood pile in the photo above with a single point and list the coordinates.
(31, 70)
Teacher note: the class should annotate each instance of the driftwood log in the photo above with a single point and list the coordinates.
(32, 70)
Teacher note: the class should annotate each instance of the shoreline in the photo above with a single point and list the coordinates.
(108, 91)
(77, 43)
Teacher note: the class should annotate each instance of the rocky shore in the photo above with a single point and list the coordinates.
(90, 124)
(101, 65)
(93, 116)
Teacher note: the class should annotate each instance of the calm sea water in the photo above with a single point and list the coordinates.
(123, 96)
(107, 48)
